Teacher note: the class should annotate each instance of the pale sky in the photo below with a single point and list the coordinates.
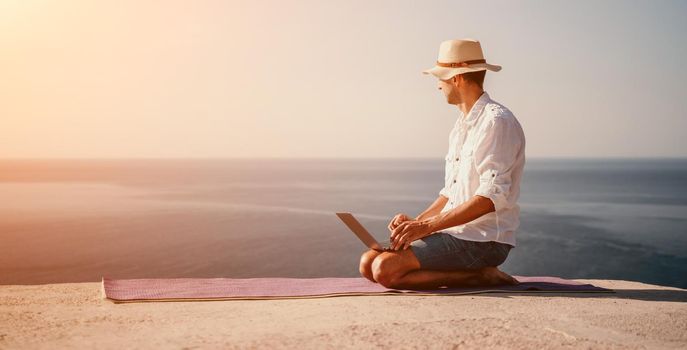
(86, 78)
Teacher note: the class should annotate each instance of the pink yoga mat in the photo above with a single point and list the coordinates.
(190, 289)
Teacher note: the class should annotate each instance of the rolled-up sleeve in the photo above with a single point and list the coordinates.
(444, 192)
(495, 155)
(447, 174)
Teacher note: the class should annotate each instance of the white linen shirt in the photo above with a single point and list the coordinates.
(486, 157)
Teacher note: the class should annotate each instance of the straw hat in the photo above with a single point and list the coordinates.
(458, 57)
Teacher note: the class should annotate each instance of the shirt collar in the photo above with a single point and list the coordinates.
(476, 110)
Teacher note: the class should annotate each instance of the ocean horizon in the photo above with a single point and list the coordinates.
(77, 220)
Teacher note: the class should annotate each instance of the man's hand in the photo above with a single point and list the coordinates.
(409, 231)
(397, 220)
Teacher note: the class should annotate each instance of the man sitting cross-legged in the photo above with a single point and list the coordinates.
(470, 229)
(474, 264)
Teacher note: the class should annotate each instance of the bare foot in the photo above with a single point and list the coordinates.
(494, 277)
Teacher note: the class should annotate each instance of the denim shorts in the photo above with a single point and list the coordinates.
(443, 251)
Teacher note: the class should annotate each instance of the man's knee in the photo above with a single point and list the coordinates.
(389, 267)
(366, 264)
(385, 270)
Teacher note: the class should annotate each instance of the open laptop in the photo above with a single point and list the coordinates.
(362, 233)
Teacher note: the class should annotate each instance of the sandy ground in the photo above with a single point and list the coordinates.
(74, 315)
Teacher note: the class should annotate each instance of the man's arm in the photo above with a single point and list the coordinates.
(494, 157)
(464, 213)
(433, 209)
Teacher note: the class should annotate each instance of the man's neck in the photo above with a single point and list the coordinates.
(469, 99)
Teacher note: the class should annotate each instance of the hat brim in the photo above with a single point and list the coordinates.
(445, 73)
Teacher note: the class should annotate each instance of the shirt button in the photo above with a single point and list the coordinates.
(454, 181)
(457, 159)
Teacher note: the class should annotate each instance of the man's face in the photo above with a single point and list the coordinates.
(450, 89)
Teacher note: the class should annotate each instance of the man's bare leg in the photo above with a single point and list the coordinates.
(433, 279)
(366, 260)
(401, 269)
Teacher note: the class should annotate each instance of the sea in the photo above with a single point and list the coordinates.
(79, 220)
